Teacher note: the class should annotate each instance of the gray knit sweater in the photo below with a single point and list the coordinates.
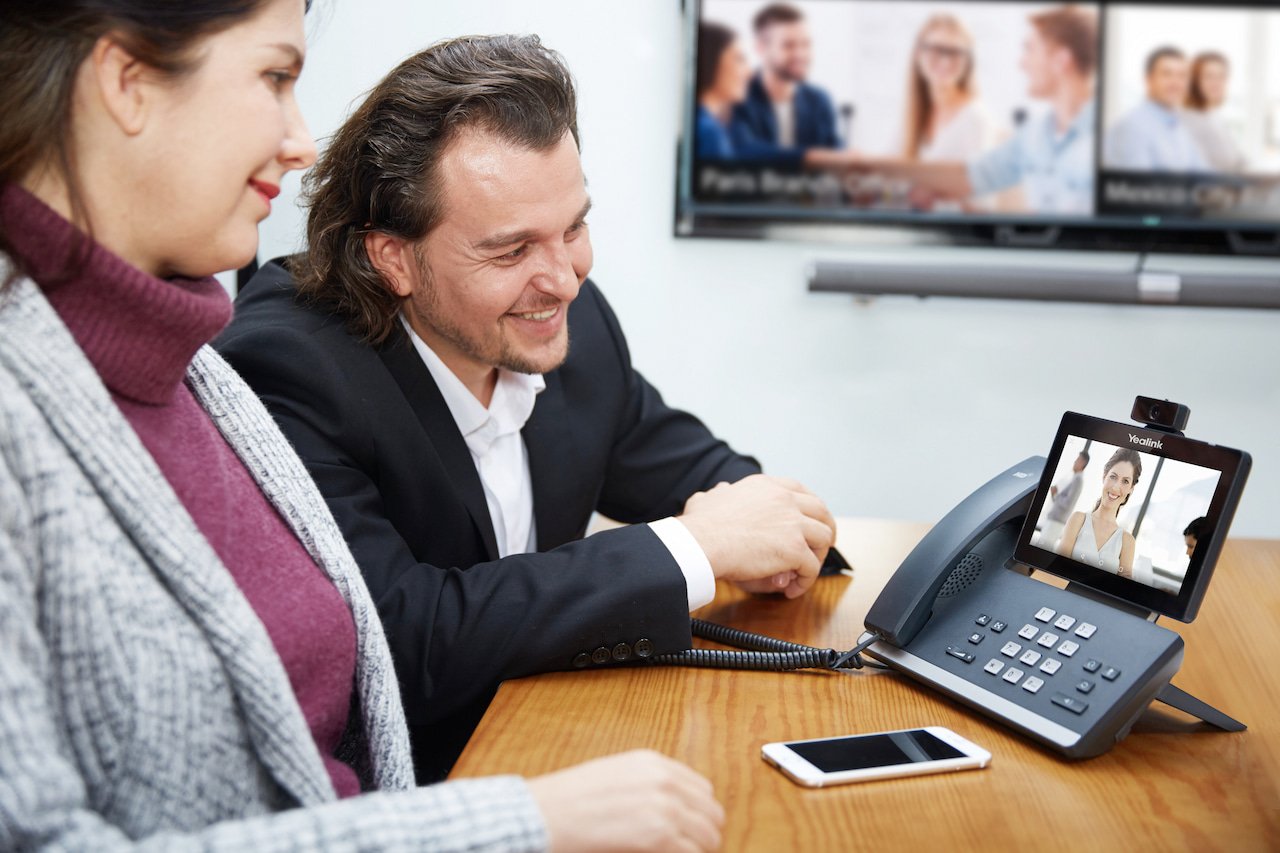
(141, 701)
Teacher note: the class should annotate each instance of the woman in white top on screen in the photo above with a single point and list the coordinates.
(945, 119)
(1210, 72)
(1096, 538)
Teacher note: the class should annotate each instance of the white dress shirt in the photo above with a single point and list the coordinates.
(502, 461)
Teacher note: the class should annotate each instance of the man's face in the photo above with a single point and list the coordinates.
(496, 275)
(786, 50)
(1079, 466)
(1037, 64)
(1169, 80)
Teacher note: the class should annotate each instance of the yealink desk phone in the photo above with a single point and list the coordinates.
(1134, 517)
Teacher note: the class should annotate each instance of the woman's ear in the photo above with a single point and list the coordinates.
(120, 80)
(393, 257)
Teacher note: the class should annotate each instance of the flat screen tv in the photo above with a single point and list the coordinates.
(1151, 127)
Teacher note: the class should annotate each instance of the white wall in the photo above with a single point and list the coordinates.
(897, 408)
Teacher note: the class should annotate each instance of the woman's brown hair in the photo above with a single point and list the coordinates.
(43, 43)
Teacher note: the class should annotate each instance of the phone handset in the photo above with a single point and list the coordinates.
(907, 599)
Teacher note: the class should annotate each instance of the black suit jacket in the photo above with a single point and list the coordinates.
(377, 436)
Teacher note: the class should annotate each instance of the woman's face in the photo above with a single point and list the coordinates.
(1117, 484)
(733, 74)
(216, 144)
(1213, 82)
(943, 57)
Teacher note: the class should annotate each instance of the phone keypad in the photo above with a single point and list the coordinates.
(1046, 658)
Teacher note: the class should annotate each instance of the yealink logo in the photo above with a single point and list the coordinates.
(1145, 442)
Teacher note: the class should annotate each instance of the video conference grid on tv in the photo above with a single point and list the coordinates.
(1047, 110)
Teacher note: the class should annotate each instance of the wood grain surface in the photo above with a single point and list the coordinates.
(1173, 784)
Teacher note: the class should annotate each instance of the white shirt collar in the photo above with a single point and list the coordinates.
(508, 411)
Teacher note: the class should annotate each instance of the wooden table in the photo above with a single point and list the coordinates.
(1173, 784)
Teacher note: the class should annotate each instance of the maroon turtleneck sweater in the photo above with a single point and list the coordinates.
(140, 333)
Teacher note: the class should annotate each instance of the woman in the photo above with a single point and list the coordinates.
(188, 657)
(1096, 538)
(1210, 73)
(722, 77)
(945, 119)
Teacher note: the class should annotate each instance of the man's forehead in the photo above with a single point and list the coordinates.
(484, 177)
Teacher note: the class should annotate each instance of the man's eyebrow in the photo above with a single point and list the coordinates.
(510, 238)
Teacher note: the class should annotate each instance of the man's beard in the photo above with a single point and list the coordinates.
(424, 305)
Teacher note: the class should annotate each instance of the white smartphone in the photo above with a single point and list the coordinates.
(884, 755)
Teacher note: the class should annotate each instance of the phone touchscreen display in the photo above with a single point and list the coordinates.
(879, 750)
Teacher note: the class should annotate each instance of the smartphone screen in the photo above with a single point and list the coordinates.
(884, 755)
(862, 752)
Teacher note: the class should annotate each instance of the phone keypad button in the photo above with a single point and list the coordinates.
(960, 654)
(1084, 630)
(1068, 648)
(1028, 632)
(982, 620)
(1012, 675)
(1010, 649)
(1084, 686)
(1050, 666)
(1030, 657)
(1071, 703)
(1044, 614)
(998, 626)
(1110, 673)
(1064, 622)
(1047, 640)
(1032, 684)
(975, 638)
(1092, 665)
(994, 666)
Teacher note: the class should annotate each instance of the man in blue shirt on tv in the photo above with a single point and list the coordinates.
(781, 108)
(1152, 137)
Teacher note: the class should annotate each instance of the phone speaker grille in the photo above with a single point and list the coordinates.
(965, 573)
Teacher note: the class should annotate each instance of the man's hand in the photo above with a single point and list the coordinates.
(635, 801)
(768, 534)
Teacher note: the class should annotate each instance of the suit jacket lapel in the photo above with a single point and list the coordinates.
(555, 484)
(433, 413)
(43, 355)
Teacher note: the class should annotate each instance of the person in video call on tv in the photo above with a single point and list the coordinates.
(1207, 92)
(945, 121)
(1194, 532)
(722, 78)
(1154, 136)
(1062, 500)
(1096, 538)
(780, 107)
(418, 357)
(190, 660)
(945, 118)
(1050, 158)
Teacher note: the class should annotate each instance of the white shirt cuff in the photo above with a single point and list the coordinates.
(699, 580)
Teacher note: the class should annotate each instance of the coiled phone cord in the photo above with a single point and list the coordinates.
(767, 654)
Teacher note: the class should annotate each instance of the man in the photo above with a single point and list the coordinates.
(781, 108)
(1050, 158)
(418, 356)
(1062, 503)
(1193, 532)
(1153, 137)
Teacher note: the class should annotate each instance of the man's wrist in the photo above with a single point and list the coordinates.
(699, 579)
